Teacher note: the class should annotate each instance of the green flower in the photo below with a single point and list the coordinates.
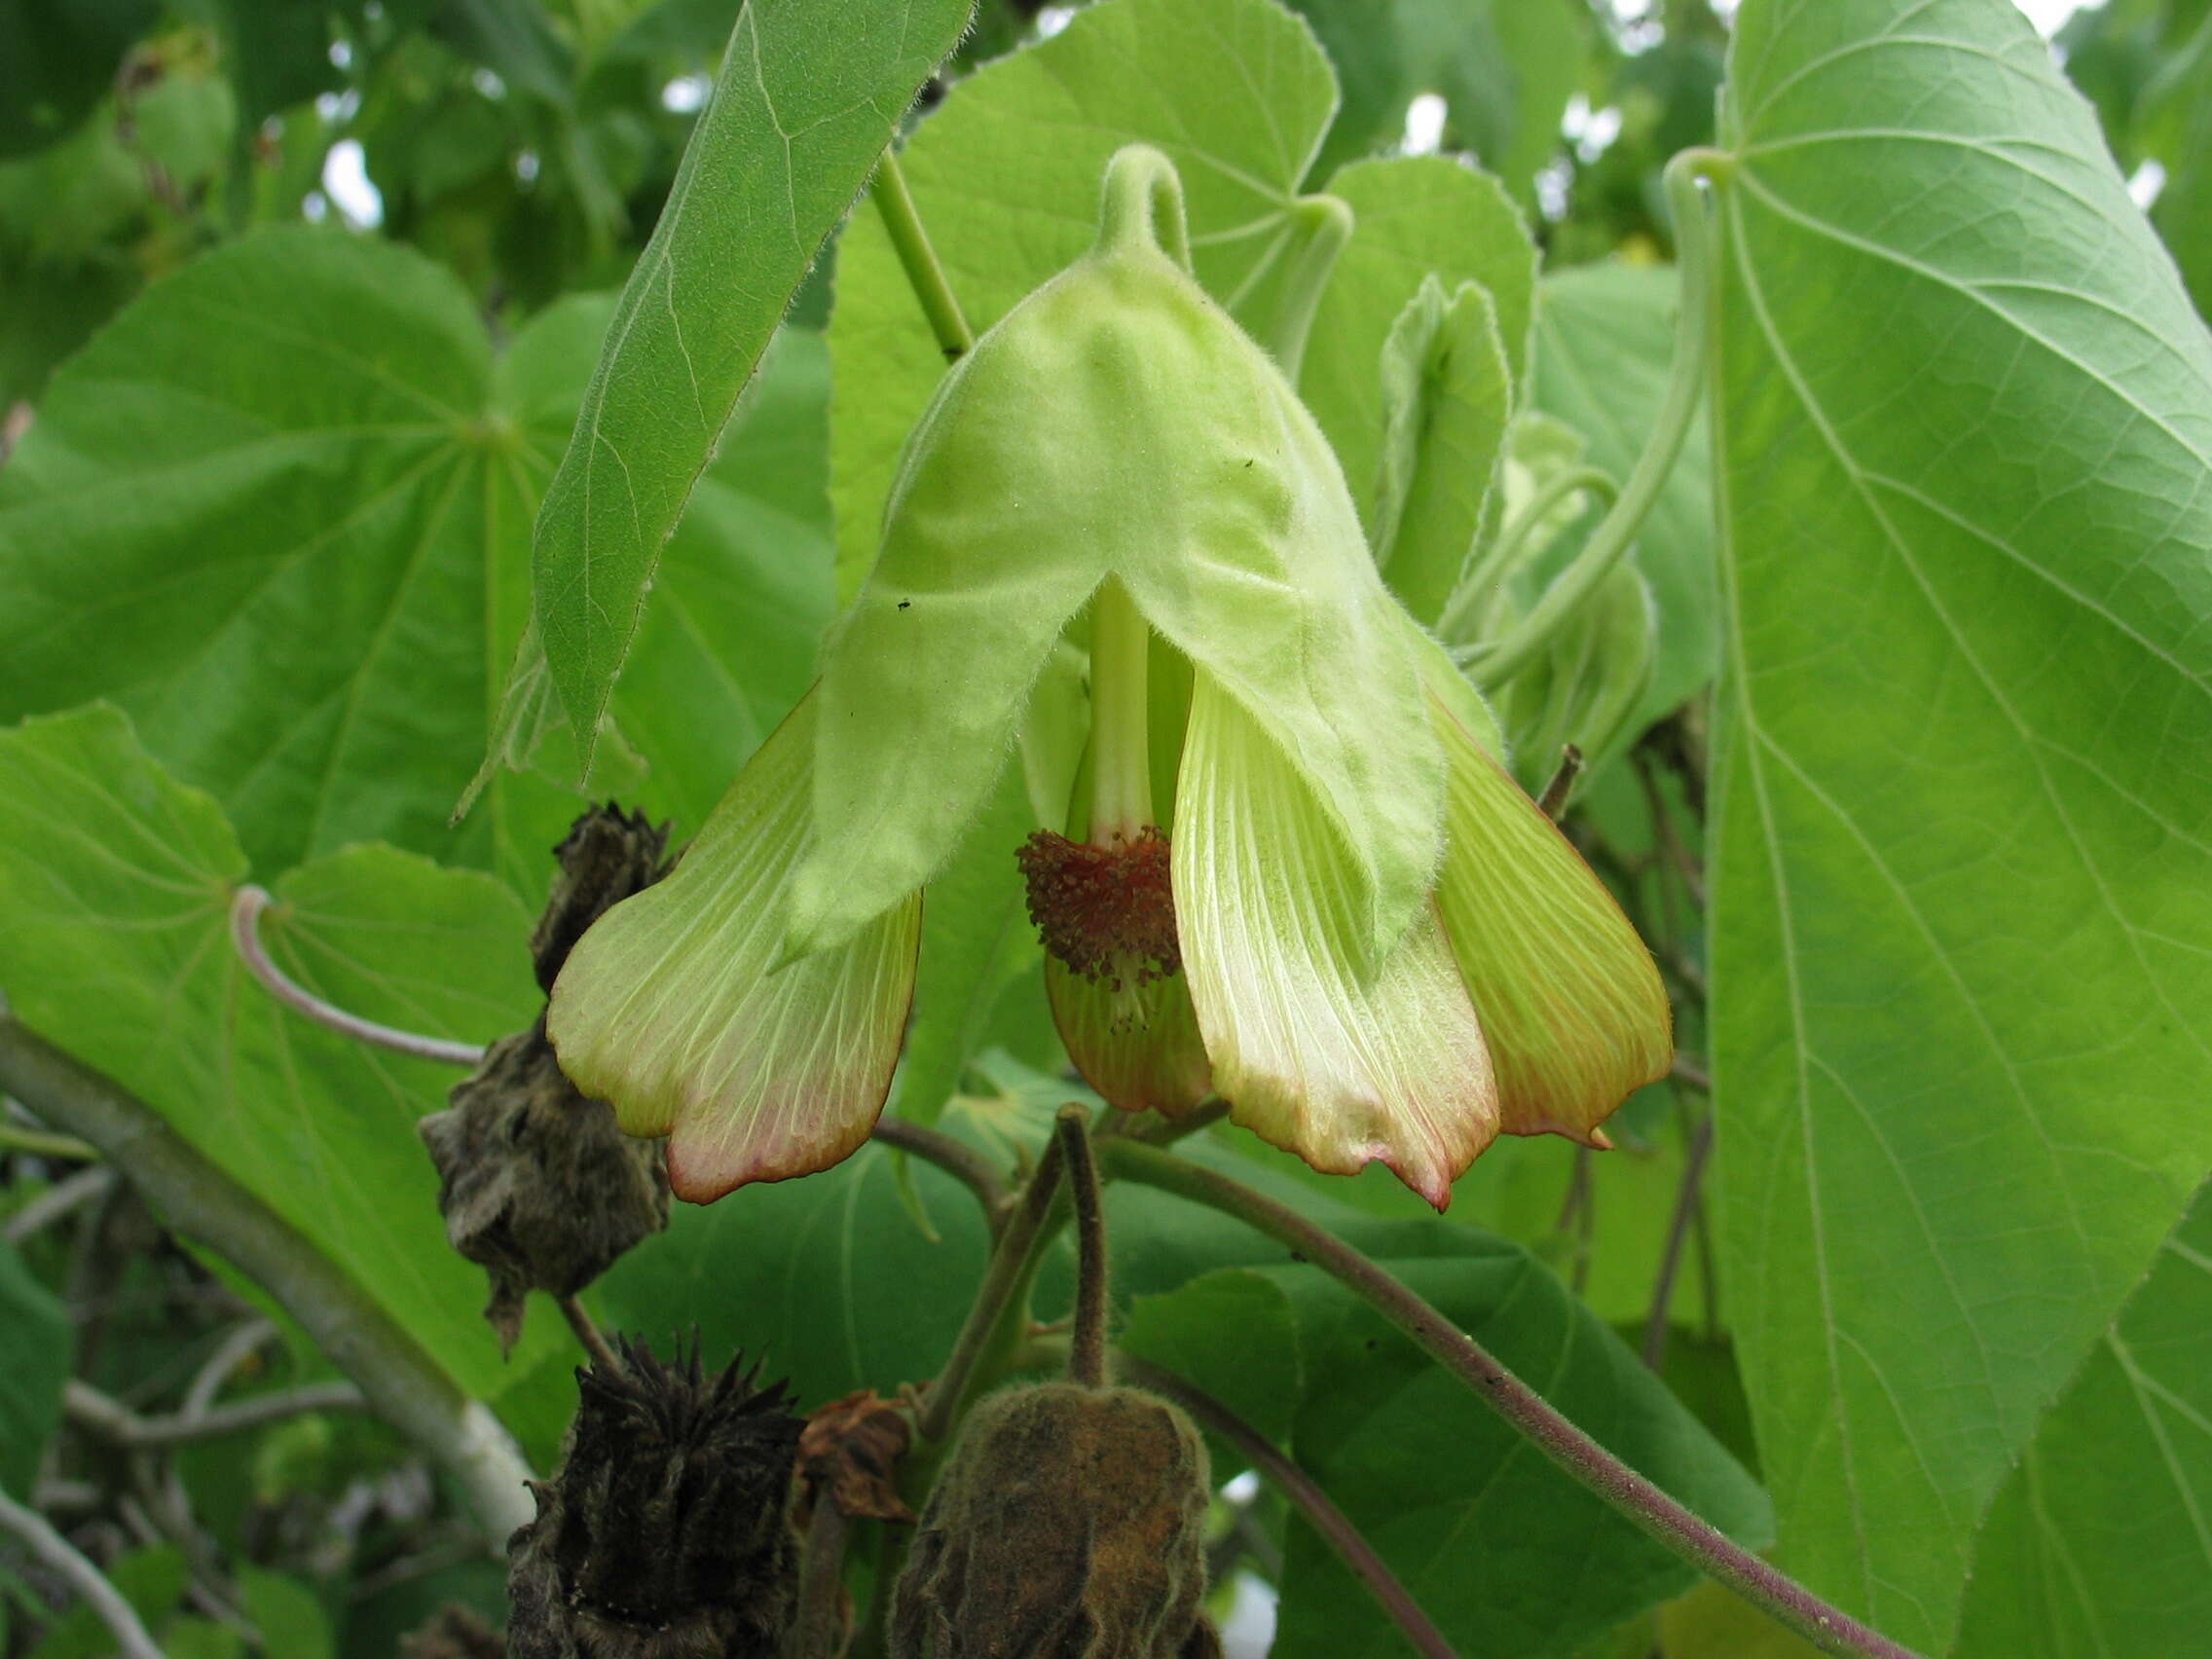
(1294, 871)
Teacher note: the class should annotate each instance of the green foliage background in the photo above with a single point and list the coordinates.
(593, 431)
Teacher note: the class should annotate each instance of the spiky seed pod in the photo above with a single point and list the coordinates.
(665, 1535)
(1068, 1525)
(537, 1184)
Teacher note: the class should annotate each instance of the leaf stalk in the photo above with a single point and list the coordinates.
(918, 259)
(1498, 661)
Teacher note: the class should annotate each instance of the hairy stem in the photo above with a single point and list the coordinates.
(1496, 662)
(1325, 225)
(246, 906)
(1619, 1487)
(400, 1382)
(1004, 1281)
(603, 1358)
(1299, 1488)
(918, 259)
(1087, 1349)
(1506, 551)
(818, 1628)
(63, 1557)
(971, 1168)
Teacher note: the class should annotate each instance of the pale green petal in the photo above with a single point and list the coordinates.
(1153, 1062)
(1338, 1063)
(672, 1007)
(1115, 423)
(1569, 999)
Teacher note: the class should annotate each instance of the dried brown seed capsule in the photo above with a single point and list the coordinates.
(1068, 1525)
(538, 1184)
(849, 1454)
(665, 1534)
(608, 855)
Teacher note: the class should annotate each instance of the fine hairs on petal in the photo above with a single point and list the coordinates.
(673, 1008)
(1338, 1059)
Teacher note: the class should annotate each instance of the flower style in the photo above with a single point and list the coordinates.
(1294, 871)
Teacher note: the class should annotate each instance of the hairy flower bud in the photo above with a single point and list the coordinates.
(1069, 1524)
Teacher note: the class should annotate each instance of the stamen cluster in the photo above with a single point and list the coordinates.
(1108, 912)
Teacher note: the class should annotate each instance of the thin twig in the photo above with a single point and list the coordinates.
(246, 905)
(1687, 973)
(402, 1383)
(603, 1359)
(1156, 1128)
(233, 1352)
(818, 1626)
(1708, 1273)
(1619, 1487)
(1692, 1075)
(69, 1193)
(1087, 1345)
(58, 1553)
(971, 1168)
(1678, 1234)
(38, 1143)
(455, 1552)
(1299, 1488)
(1671, 845)
(1554, 799)
(158, 1518)
(111, 1420)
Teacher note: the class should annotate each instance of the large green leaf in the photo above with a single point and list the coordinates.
(1963, 897)
(36, 1334)
(807, 97)
(1501, 1549)
(1604, 333)
(1006, 176)
(2098, 1542)
(829, 1281)
(116, 881)
(280, 512)
(1257, 1374)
